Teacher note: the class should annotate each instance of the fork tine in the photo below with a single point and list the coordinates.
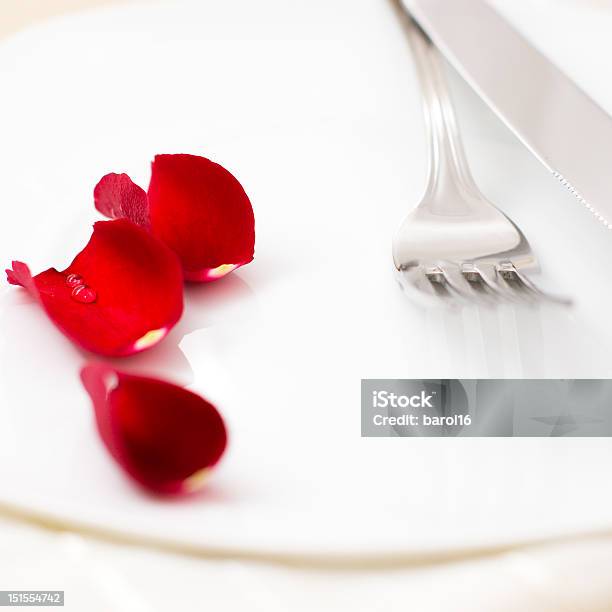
(481, 289)
(519, 288)
(417, 287)
(531, 287)
(459, 285)
(498, 286)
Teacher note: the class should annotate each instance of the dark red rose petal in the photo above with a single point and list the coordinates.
(202, 213)
(116, 196)
(165, 437)
(129, 295)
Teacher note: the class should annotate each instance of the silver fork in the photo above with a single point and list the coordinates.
(456, 243)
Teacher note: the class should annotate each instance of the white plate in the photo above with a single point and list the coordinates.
(315, 107)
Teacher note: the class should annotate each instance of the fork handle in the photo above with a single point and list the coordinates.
(449, 173)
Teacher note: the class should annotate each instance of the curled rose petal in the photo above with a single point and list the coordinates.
(165, 437)
(196, 207)
(201, 212)
(116, 196)
(122, 293)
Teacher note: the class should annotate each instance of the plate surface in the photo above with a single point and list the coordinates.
(315, 107)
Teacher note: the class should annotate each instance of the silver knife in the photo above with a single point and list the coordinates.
(561, 125)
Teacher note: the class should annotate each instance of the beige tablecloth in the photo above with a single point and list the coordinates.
(15, 14)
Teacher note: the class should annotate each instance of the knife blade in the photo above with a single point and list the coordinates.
(557, 121)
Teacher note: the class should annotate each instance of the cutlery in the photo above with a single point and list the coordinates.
(564, 128)
(456, 243)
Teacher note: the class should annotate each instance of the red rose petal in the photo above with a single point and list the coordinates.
(165, 437)
(131, 293)
(116, 196)
(202, 213)
(21, 275)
